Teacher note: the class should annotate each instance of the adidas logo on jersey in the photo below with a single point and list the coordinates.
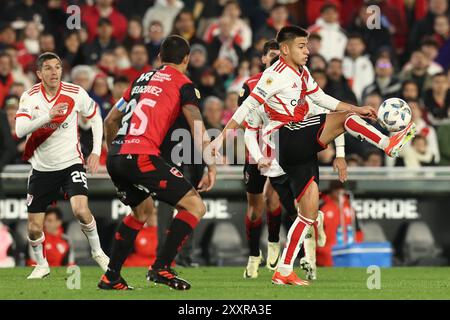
(295, 85)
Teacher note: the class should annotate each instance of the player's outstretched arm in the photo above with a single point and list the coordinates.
(25, 125)
(194, 119)
(112, 125)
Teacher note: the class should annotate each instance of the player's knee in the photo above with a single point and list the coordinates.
(82, 213)
(200, 208)
(35, 230)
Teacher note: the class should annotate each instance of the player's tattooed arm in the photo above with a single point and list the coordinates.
(112, 125)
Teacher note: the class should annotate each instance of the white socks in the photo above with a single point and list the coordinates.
(38, 250)
(90, 231)
(295, 238)
(310, 246)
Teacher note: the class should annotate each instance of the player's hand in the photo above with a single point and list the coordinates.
(58, 110)
(208, 180)
(92, 163)
(367, 112)
(264, 163)
(340, 165)
(211, 152)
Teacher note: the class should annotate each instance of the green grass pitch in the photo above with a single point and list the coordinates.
(227, 283)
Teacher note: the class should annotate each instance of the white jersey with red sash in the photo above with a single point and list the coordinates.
(55, 146)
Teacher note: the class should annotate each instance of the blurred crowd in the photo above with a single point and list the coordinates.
(356, 56)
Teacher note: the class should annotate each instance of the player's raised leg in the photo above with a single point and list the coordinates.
(88, 226)
(338, 122)
(190, 210)
(36, 239)
(273, 209)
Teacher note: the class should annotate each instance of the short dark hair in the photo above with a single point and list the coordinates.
(290, 33)
(46, 56)
(327, 6)
(270, 45)
(56, 210)
(174, 49)
(121, 79)
(439, 74)
(356, 35)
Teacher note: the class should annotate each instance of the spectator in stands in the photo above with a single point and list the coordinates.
(357, 67)
(31, 40)
(231, 105)
(103, 9)
(197, 62)
(58, 249)
(27, 10)
(6, 246)
(259, 14)
(122, 58)
(139, 62)
(145, 245)
(135, 33)
(425, 26)
(441, 29)
(6, 145)
(330, 206)
(430, 47)
(211, 84)
(11, 107)
(224, 44)
(17, 89)
(278, 19)
(240, 31)
(386, 83)
(213, 111)
(316, 61)
(373, 158)
(419, 72)
(437, 100)
(184, 25)
(374, 38)
(19, 68)
(333, 36)
(163, 11)
(338, 86)
(314, 44)
(83, 76)
(154, 39)
(353, 160)
(6, 77)
(418, 154)
(47, 42)
(121, 84)
(108, 64)
(101, 90)
(409, 90)
(103, 41)
(73, 53)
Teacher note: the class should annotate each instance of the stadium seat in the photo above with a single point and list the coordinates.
(80, 244)
(419, 246)
(226, 247)
(373, 232)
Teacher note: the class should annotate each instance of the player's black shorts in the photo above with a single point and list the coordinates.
(44, 186)
(253, 179)
(299, 141)
(282, 186)
(137, 177)
(299, 177)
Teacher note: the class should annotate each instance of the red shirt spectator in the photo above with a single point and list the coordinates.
(57, 246)
(104, 9)
(139, 62)
(6, 77)
(332, 220)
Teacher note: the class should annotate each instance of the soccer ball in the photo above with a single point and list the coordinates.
(394, 114)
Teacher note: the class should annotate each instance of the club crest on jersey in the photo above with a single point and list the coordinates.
(176, 172)
(269, 81)
(29, 199)
(197, 93)
(241, 93)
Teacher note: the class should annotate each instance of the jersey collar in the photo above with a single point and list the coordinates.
(56, 95)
